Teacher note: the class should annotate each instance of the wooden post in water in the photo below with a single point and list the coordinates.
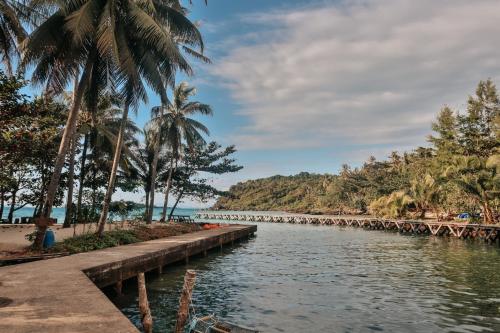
(187, 291)
(147, 320)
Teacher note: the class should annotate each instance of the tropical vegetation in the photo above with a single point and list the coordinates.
(73, 143)
(457, 172)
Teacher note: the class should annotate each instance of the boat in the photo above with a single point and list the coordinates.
(210, 324)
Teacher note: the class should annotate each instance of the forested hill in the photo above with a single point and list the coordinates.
(300, 193)
(458, 171)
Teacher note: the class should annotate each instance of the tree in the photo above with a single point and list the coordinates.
(446, 141)
(123, 41)
(394, 205)
(28, 143)
(102, 134)
(156, 142)
(171, 22)
(425, 194)
(479, 179)
(12, 32)
(177, 128)
(144, 165)
(477, 127)
(190, 178)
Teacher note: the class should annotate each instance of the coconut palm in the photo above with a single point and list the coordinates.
(425, 193)
(100, 129)
(144, 165)
(12, 32)
(479, 179)
(177, 128)
(129, 42)
(158, 112)
(394, 205)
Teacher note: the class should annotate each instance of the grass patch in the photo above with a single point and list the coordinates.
(90, 241)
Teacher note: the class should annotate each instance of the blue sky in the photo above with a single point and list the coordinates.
(310, 85)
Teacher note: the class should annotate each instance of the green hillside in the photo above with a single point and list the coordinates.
(300, 193)
(459, 171)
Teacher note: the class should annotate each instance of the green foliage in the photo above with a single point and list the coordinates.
(91, 241)
(301, 193)
(124, 209)
(29, 139)
(138, 232)
(459, 172)
(394, 205)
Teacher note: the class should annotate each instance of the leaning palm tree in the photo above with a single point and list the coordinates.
(126, 41)
(176, 128)
(100, 131)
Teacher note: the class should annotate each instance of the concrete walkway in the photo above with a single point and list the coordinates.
(60, 295)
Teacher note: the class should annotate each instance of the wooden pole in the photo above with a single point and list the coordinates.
(187, 291)
(147, 320)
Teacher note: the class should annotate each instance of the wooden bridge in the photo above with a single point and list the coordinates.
(464, 230)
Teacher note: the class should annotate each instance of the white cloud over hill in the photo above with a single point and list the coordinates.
(359, 72)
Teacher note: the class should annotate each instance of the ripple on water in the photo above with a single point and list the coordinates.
(300, 278)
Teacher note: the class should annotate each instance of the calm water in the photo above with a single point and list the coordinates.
(300, 278)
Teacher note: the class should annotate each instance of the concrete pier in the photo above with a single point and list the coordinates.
(62, 294)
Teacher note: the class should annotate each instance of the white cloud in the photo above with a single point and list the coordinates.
(362, 72)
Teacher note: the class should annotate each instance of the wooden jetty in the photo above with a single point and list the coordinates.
(463, 230)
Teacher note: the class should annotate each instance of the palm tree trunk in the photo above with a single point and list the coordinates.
(167, 190)
(146, 206)
(68, 133)
(2, 202)
(12, 206)
(82, 176)
(114, 169)
(422, 212)
(69, 200)
(152, 181)
(94, 189)
(39, 206)
(175, 205)
(154, 165)
(487, 213)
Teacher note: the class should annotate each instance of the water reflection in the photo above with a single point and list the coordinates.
(300, 278)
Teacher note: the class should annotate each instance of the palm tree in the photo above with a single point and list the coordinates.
(12, 32)
(479, 179)
(425, 193)
(176, 127)
(132, 41)
(100, 129)
(394, 205)
(157, 113)
(144, 165)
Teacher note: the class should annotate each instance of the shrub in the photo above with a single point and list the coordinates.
(90, 241)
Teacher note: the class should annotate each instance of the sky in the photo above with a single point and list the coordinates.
(311, 85)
